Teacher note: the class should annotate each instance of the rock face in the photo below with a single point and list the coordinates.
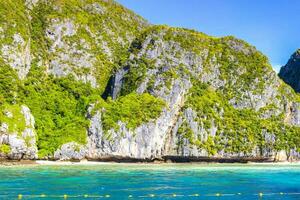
(183, 129)
(137, 91)
(67, 37)
(145, 142)
(290, 73)
(71, 151)
(20, 145)
(81, 39)
(17, 55)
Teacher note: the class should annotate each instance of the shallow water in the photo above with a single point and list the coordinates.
(170, 181)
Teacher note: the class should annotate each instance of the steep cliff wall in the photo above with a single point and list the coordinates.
(223, 100)
(290, 73)
(17, 134)
(49, 49)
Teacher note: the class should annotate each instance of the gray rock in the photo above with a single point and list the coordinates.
(31, 3)
(117, 83)
(71, 151)
(22, 145)
(290, 73)
(17, 55)
(95, 8)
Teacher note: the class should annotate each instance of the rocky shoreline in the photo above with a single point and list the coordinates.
(183, 159)
(164, 160)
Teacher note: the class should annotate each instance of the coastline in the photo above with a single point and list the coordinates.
(12, 163)
(86, 163)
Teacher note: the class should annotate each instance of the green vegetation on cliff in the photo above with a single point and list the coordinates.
(9, 84)
(242, 129)
(101, 29)
(236, 96)
(10, 110)
(59, 106)
(11, 115)
(132, 109)
(4, 148)
(13, 19)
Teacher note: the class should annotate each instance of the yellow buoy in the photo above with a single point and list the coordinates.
(218, 194)
(239, 193)
(281, 193)
(196, 195)
(260, 194)
(174, 195)
(130, 196)
(86, 196)
(43, 195)
(107, 196)
(65, 196)
(152, 195)
(20, 196)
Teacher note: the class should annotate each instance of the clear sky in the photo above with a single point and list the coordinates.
(273, 26)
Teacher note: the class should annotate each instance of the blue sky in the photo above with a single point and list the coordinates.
(273, 26)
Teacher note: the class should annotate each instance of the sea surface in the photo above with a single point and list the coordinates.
(151, 181)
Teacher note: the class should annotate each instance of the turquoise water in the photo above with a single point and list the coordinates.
(174, 181)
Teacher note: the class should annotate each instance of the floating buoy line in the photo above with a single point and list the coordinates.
(174, 195)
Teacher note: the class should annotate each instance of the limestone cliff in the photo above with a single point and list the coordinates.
(290, 73)
(82, 38)
(17, 134)
(223, 100)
